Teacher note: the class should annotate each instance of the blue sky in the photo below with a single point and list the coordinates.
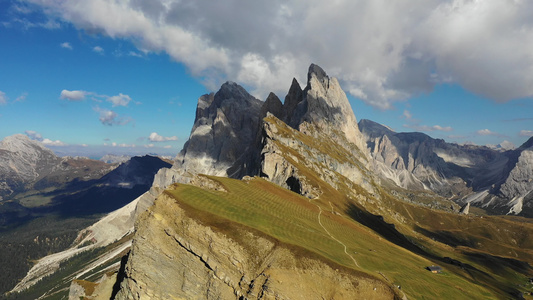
(92, 77)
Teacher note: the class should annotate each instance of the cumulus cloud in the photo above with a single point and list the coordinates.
(507, 145)
(382, 51)
(526, 133)
(110, 118)
(119, 100)
(154, 137)
(98, 49)
(66, 45)
(34, 135)
(426, 128)
(78, 95)
(48, 142)
(486, 132)
(3, 98)
(73, 95)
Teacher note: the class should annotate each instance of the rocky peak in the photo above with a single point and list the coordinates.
(225, 122)
(319, 73)
(327, 106)
(527, 144)
(25, 147)
(274, 106)
(373, 129)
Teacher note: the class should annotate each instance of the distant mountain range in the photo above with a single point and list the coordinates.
(499, 181)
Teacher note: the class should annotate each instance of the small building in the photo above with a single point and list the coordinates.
(434, 269)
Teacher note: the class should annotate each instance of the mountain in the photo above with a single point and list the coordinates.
(296, 200)
(26, 164)
(495, 180)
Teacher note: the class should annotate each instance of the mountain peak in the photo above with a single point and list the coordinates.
(527, 144)
(318, 72)
(22, 144)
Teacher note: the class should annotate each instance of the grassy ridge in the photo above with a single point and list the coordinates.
(293, 219)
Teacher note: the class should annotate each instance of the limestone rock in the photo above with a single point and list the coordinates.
(225, 127)
(465, 209)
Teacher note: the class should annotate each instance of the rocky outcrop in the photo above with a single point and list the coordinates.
(518, 186)
(175, 256)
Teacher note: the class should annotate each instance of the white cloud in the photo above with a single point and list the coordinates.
(34, 135)
(426, 128)
(154, 137)
(66, 45)
(149, 146)
(527, 133)
(3, 98)
(126, 145)
(22, 97)
(110, 118)
(167, 147)
(98, 49)
(382, 51)
(407, 115)
(119, 100)
(507, 145)
(486, 132)
(73, 95)
(48, 142)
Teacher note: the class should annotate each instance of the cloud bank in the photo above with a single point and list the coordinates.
(154, 137)
(382, 51)
(73, 95)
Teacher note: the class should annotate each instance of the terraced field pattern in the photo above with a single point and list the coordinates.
(337, 230)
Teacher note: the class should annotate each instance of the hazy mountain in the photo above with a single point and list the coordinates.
(27, 165)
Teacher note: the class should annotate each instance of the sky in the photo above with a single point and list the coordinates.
(90, 77)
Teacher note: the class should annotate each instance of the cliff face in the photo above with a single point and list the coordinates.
(499, 181)
(177, 256)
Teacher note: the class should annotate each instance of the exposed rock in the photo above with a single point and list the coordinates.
(175, 256)
(465, 209)
(225, 128)
(499, 181)
(272, 105)
(292, 99)
(325, 104)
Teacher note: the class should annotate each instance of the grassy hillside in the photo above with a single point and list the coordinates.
(320, 227)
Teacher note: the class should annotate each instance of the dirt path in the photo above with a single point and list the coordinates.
(330, 235)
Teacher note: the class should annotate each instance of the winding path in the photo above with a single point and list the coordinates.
(330, 235)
